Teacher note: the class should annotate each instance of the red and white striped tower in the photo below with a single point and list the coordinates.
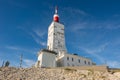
(56, 16)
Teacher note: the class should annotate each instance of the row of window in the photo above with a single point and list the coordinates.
(85, 62)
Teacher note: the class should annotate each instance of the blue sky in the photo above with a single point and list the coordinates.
(92, 29)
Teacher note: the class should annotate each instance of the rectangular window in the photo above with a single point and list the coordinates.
(67, 58)
(85, 62)
(72, 59)
(79, 60)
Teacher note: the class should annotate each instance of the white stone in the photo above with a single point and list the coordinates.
(56, 39)
(46, 59)
(73, 60)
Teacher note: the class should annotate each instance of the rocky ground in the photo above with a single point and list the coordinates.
(11, 73)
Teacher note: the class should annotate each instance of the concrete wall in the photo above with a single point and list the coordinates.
(94, 68)
(46, 59)
(74, 60)
(56, 39)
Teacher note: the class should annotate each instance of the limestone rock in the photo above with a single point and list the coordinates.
(11, 73)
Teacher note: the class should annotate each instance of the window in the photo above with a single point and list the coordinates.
(67, 58)
(88, 63)
(79, 60)
(58, 42)
(85, 62)
(72, 59)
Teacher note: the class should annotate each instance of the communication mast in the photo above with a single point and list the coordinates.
(56, 16)
(21, 56)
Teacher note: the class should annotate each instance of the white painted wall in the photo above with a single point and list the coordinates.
(75, 62)
(56, 39)
(47, 59)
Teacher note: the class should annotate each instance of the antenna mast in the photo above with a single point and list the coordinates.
(21, 56)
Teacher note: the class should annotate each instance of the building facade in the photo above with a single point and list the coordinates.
(56, 39)
(46, 58)
(56, 54)
(72, 60)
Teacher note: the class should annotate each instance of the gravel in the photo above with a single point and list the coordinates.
(12, 73)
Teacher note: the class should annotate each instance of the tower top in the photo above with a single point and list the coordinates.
(56, 10)
(56, 17)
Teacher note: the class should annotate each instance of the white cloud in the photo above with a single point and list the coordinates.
(114, 64)
(115, 42)
(17, 4)
(75, 11)
(95, 51)
(12, 47)
(35, 38)
(43, 43)
(79, 26)
(112, 25)
(92, 23)
(39, 33)
(16, 48)
(28, 62)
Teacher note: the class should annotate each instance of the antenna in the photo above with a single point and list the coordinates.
(56, 10)
(21, 56)
(56, 17)
(3, 64)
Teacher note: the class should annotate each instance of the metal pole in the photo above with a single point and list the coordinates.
(21, 56)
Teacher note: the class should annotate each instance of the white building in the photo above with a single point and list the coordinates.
(56, 54)
(56, 39)
(72, 60)
(46, 58)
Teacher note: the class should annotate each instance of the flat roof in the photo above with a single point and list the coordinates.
(46, 50)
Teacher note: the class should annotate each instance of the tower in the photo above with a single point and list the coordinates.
(54, 55)
(56, 39)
